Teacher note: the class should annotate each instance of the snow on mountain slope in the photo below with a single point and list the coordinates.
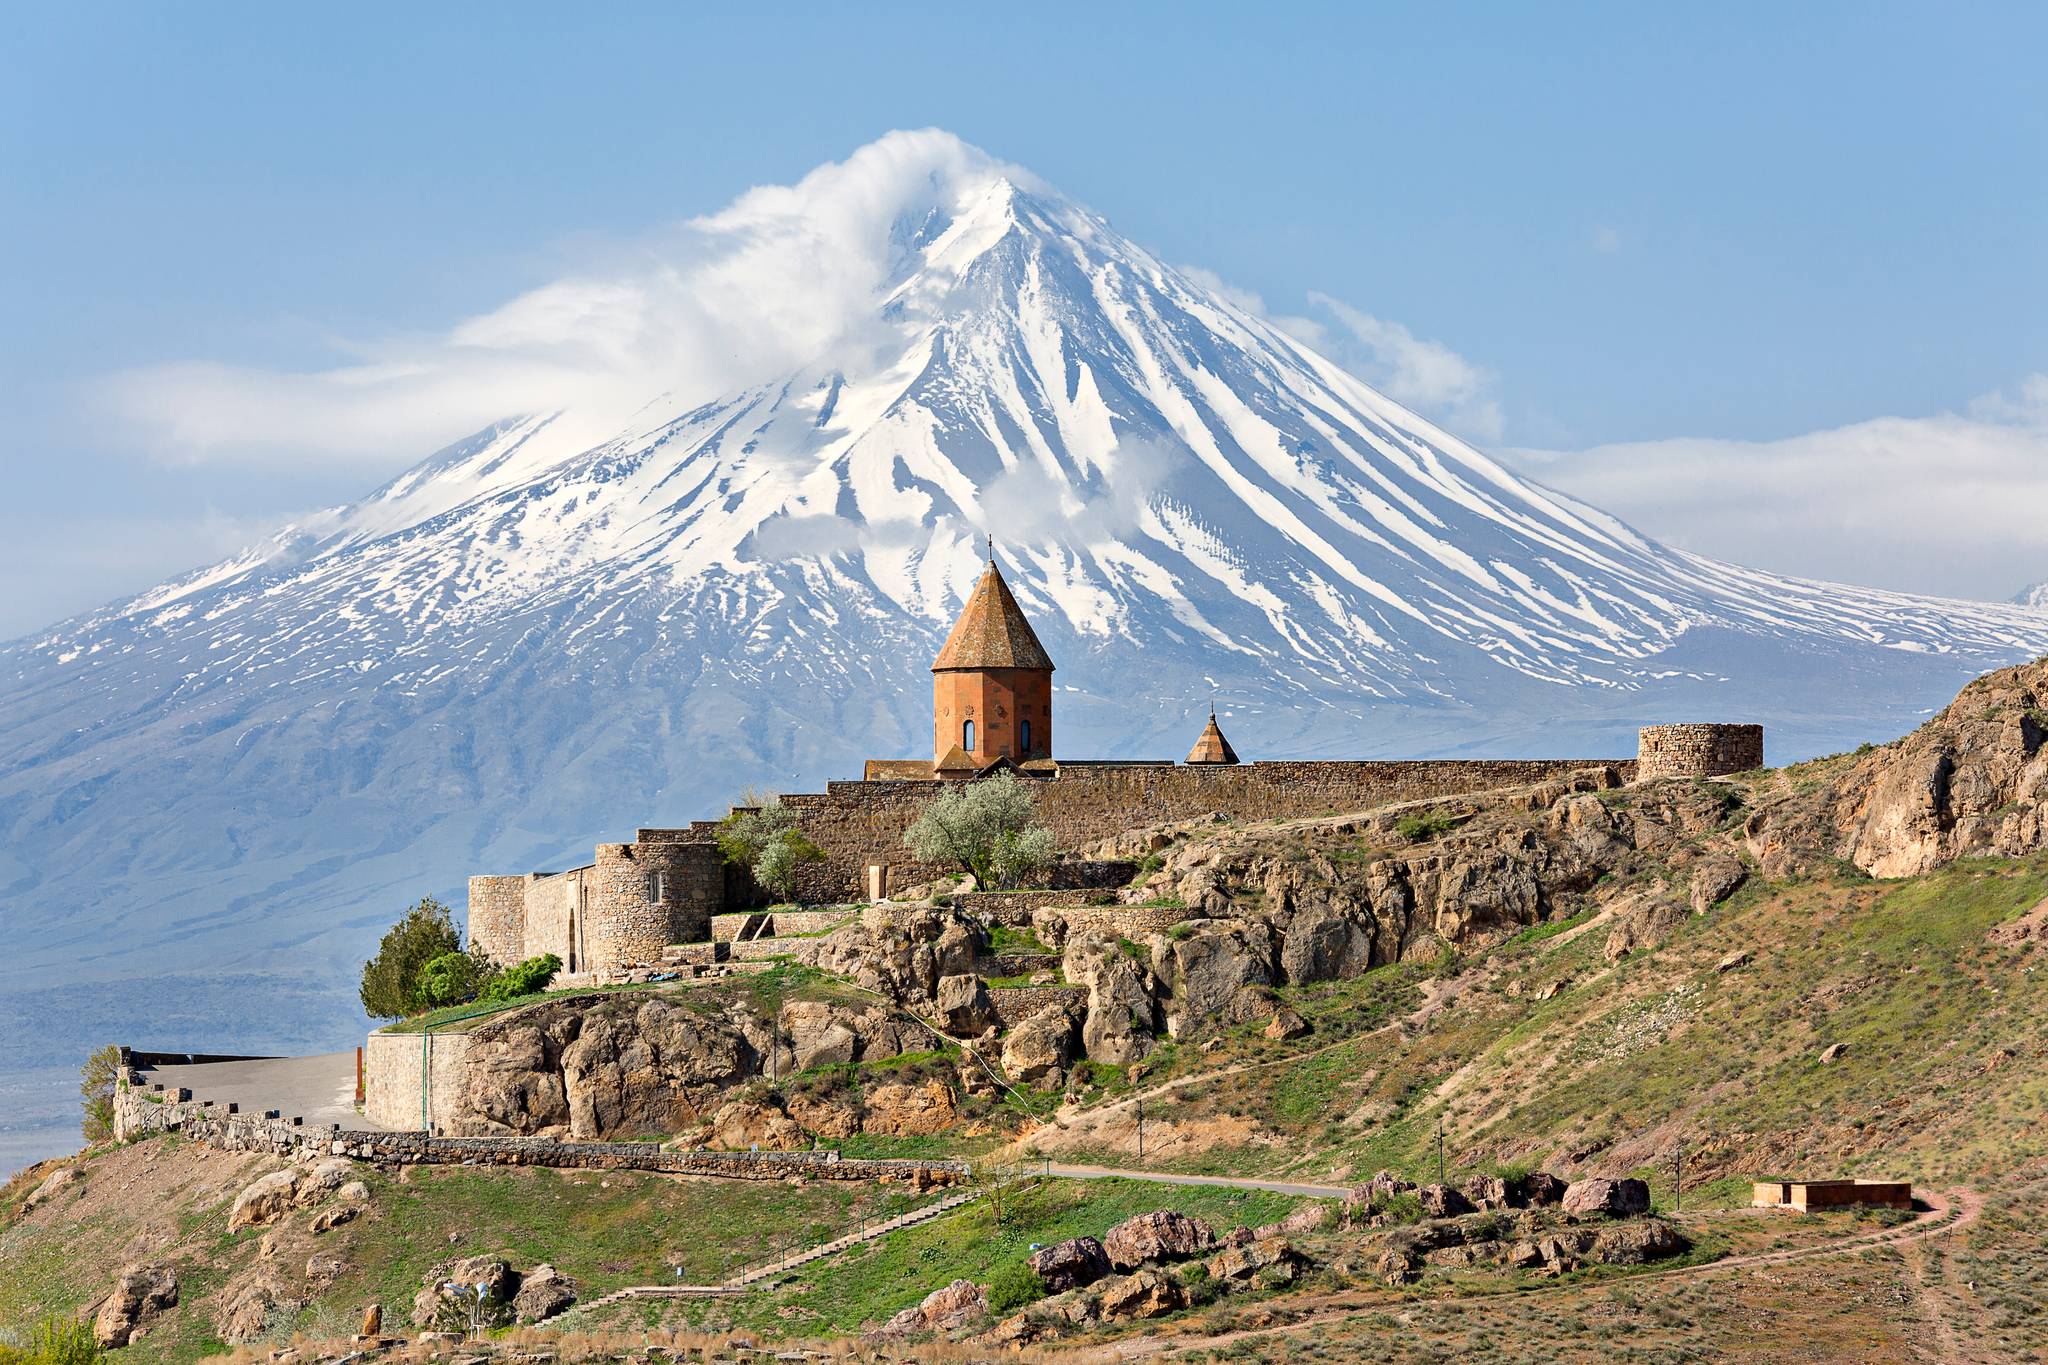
(522, 646)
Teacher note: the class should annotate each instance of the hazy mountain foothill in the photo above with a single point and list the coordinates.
(1491, 1076)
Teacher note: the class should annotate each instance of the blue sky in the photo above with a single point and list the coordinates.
(1802, 249)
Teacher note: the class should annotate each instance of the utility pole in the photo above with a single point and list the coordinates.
(1141, 1127)
(1678, 1176)
(1439, 1151)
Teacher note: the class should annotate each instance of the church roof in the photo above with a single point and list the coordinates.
(1212, 747)
(955, 760)
(992, 631)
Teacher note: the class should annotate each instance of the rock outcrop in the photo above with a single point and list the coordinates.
(1071, 1264)
(1164, 1235)
(1607, 1198)
(1971, 781)
(140, 1292)
(942, 1310)
(1039, 1050)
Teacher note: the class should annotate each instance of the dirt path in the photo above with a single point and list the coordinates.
(1946, 1213)
(1235, 1182)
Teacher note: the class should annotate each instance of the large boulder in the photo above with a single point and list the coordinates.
(1609, 1198)
(744, 1124)
(1147, 1294)
(942, 1310)
(903, 1110)
(1211, 966)
(1326, 942)
(1122, 1010)
(1164, 1235)
(264, 1201)
(1636, 1243)
(438, 1303)
(1444, 1201)
(1070, 1264)
(543, 1292)
(140, 1292)
(244, 1315)
(1537, 1190)
(962, 1006)
(1038, 1050)
(1264, 1258)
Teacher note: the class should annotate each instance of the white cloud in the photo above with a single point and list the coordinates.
(1949, 504)
(784, 277)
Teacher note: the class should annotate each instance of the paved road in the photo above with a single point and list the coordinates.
(321, 1090)
(1176, 1178)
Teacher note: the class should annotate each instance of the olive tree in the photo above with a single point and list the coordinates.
(766, 841)
(987, 828)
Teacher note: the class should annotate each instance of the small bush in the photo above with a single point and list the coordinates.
(1012, 1287)
(59, 1340)
(530, 977)
(1421, 826)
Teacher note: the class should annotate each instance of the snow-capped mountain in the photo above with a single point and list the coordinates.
(526, 644)
(2035, 597)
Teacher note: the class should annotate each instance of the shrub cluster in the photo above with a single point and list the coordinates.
(422, 965)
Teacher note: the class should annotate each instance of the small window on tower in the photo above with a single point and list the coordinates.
(657, 887)
(967, 736)
(1025, 737)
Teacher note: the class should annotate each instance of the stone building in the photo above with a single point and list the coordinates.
(991, 712)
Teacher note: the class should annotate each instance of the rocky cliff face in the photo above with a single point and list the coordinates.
(1972, 781)
(617, 1066)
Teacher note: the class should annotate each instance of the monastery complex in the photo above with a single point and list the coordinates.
(640, 906)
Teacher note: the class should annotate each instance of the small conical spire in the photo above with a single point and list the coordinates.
(1212, 747)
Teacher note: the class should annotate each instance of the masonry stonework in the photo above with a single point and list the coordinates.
(1698, 750)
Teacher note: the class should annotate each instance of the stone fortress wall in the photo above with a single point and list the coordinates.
(858, 823)
(604, 917)
(620, 911)
(1698, 750)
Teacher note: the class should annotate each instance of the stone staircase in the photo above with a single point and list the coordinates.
(744, 1280)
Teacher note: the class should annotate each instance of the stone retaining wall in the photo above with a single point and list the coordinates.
(1698, 750)
(724, 928)
(1015, 1004)
(1017, 964)
(1015, 908)
(136, 1117)
(394, 1067)
(1123, 921)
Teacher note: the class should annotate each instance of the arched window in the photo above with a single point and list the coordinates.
(1026, 738)
(967, 736)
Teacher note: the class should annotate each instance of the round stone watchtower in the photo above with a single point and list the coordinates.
(991, 685)
(1698, 750)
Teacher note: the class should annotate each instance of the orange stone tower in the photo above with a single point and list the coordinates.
(991, 685)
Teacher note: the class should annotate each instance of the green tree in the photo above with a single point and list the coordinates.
(782, 860)
(96, 1092)
(451, 979)
(391, 979)
(987, 828)
(746, 832)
